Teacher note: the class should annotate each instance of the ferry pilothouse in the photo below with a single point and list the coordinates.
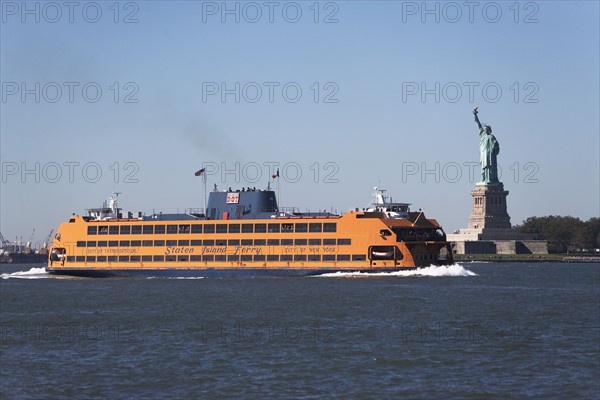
(244, 233)
(380, 203)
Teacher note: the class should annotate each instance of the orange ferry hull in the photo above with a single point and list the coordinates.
(209, 272)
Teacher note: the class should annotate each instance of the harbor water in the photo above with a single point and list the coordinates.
(471, 330)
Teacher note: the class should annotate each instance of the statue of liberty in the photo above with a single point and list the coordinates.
(488, 152)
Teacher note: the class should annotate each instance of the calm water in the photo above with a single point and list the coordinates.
(470, 331)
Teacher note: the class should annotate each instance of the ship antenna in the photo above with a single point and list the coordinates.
(418, 216)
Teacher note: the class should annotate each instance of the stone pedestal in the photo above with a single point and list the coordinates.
(489, 208)
(489, 230)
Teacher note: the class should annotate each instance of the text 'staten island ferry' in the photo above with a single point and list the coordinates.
(244, 233)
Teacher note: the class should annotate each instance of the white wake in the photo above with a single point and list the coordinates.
(176, 277)
(33, 273)
(432, 271)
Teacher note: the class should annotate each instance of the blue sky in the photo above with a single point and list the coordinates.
(378, 91)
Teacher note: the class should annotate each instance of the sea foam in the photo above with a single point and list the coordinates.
(432, 271)
(33, 273)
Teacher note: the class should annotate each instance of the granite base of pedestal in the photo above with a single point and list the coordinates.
(500, 247)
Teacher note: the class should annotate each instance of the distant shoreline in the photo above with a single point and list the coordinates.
(526, 258)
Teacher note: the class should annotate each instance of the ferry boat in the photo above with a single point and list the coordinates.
(244, 233)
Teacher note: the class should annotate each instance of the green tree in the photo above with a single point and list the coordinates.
(563, 234)
(592, 233)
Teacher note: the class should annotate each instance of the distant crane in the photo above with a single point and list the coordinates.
(3, 241)
(4, 244)
(30, 242)
(47, 242)
(44, 249)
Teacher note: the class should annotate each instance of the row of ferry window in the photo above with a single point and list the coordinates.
(212, 258)
(314, 227)
(210, 242)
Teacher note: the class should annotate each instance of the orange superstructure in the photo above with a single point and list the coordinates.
(378, 239)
